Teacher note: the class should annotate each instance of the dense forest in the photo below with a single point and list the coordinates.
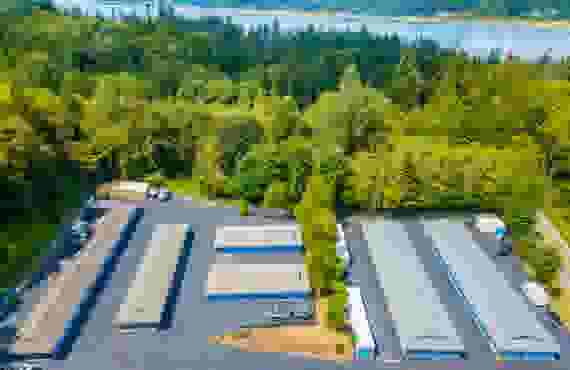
(310, 121)
(403, 8)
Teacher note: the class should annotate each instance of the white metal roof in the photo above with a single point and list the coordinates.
(258, 236)
(503, 312)
(254, 273)
(149, 289)
(358, 319)
(408, 288)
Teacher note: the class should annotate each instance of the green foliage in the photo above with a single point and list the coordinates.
(244, 207)
(335, 314)
(545, 261)
(156, 179)
(520, 221)
(409, 127)
(276, 195)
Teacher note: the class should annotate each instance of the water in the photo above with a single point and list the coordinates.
(476, 37)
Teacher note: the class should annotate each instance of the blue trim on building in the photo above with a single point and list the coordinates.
(89, 294)
(434, 355)
(249, 296)
(263, 249)
(539, 356)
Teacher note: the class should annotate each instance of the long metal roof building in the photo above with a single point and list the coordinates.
(500, 312)
(251, 276)
(421, 320)
(258, 238)
(150, 289)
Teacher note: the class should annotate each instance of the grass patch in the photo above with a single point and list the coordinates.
(185, 186)
(559, 214)
(189, 186)
(529, 271)
(560, 217)
(561, 306)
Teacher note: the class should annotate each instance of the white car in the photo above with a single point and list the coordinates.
(341, 247)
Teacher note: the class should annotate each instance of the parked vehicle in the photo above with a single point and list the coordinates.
(164, 195)
(81, 231)
(554, 318)
(271, 212)
(152, 193)
(489, 224)
(292, 311)
(9, 302)
(536, 294)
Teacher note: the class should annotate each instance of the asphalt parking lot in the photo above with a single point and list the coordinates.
(194, 319)
(185, 345)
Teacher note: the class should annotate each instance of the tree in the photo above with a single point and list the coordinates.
(276, 195)
(336, 310)
(351, 78)
(546, 263)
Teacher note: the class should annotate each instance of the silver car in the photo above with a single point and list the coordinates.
(164, 195)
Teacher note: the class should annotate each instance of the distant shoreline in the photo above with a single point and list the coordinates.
(538, 23)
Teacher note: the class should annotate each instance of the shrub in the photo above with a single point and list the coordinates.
(276, 195)
(156, 179)
(555, 292)
(244, 207)
(546, 262)
(335, 314)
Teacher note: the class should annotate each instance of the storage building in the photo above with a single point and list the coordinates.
(53, 323)
(500, 312)
(258, 238)
(148, 293)
(251, 276)
(365, 346)
(421, 320)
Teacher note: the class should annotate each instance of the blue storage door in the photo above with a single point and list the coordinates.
(364, 354)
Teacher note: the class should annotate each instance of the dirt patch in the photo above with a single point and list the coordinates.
(315, 341)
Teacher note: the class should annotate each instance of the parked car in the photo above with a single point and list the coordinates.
(164, 195)
(292, 311)
(152, 193)
(506, 247)
(9, 302)
(271, 212)
(554, 318)
(81, 231)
